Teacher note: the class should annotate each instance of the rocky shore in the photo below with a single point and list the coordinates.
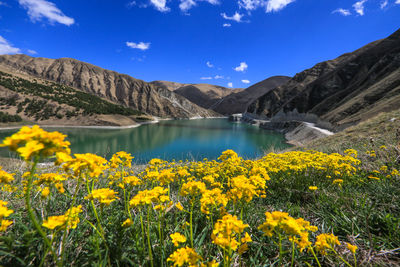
(296, 132)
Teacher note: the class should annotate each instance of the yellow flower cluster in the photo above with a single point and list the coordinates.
(184, 256)
(5, 177)
(177, 238)
(88, 163)
(157, 195)
(49, 179)
(121, 159)
(226, 233)
(4, 212)
(67, 221)
(35, 142)
(280, 223)
(103, 195)
(326, 242)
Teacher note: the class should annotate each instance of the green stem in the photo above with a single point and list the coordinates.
(32, 215)
(148, 236)
(141, 224)
(191, 224)
(292, 254)
(315, 256)
(69, 217)
(280, 249)
(345, 262)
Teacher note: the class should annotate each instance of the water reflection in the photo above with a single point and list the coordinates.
(183, 139)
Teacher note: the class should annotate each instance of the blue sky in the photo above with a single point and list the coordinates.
(230, 43)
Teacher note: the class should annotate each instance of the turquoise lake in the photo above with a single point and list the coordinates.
(176, 139)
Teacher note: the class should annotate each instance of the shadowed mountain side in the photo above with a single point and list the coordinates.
(239, 101)
(343, 91)
(204, 95)
(118, 88)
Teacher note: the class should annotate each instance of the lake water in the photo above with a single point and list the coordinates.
(177, 139)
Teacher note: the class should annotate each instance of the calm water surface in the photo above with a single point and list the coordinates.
(178, 139)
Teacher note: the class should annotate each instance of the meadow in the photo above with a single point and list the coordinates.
(295, 208)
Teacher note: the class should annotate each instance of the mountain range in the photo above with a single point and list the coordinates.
(343, 91)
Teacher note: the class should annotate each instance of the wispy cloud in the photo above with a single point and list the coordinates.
(242, 67)
(359, 7)
(208, 63)
(384, 4)
(6, 48)
(235, 17)
(39, 9)
(276, 5)
(342, 11)
(217, 77)
(230, 85)
(229, 25)
(32, 52)
(160, 5)
(206, 78)
(246, 81)
(397, 2)
(142, 46)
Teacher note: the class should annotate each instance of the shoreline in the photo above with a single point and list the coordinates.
(157, 120)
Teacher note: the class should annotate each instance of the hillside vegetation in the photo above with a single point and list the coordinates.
(295, 208)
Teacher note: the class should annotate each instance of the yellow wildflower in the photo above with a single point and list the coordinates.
(103, 195)
(128, 222)
(69, 220)
(352, 248)
(184, 255)
(4, 225)
(326, 242)
(5, 177)
(35, 142)
(313, 188)
(177, 238)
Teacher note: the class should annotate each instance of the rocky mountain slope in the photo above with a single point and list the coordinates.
(48, 103)
(239, 101)
(204, 95)
(112, 86)
(343, 91)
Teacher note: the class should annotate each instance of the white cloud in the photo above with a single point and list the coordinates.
(206, 78)
(276, 5)
(32, 52)
(6, 48)
(242, 67)
(209, 64)
(228, 24)
(246, 81)
(397, 2)
(160, 5)
(38, 9)
(230, 85)
(236, 17)
(185, 5)
(344, 12)
(359, 7)
(142, 46)
(251, 4)
(384, 3)
(218, 77)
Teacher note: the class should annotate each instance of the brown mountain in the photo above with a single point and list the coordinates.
(204, 95)
(239, 101)
(343, 91)
(115, 87)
